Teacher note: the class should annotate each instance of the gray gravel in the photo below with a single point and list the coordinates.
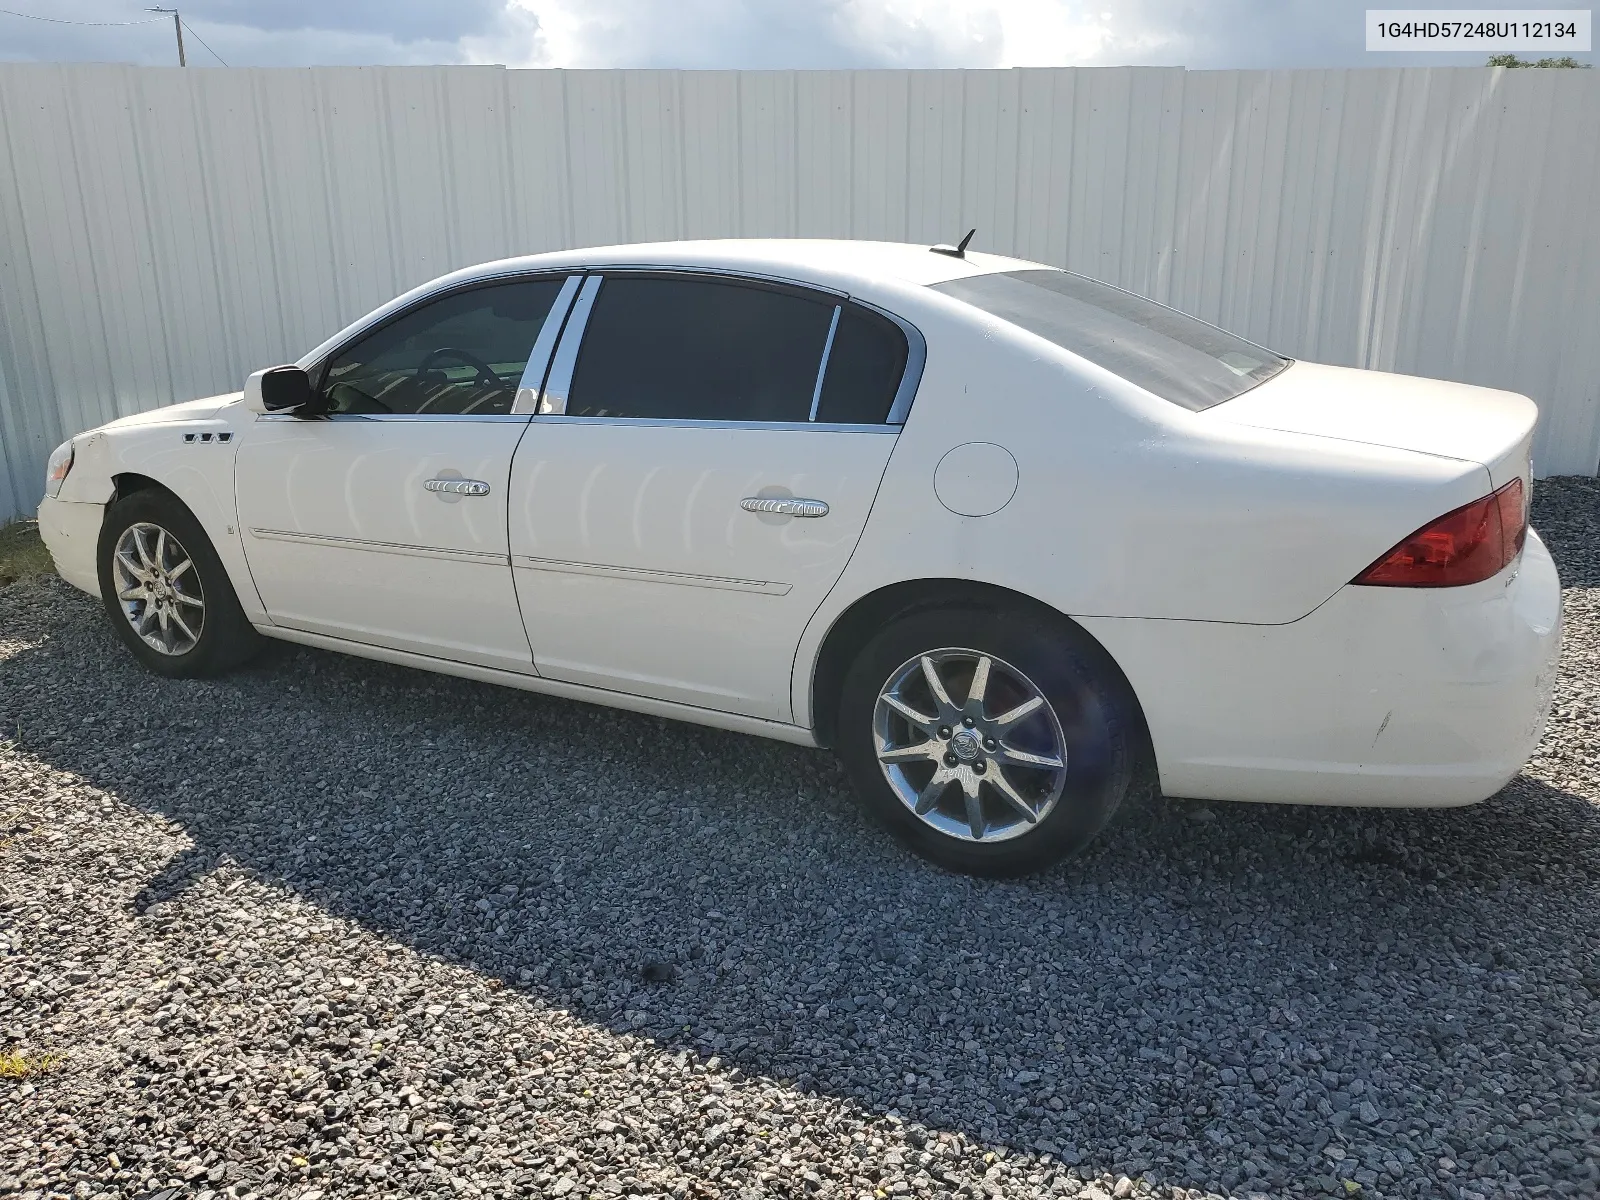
(330, 927)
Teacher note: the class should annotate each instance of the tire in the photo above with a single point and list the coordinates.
(1078, 713)
(209, 633)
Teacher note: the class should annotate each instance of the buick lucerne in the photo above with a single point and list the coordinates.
(999, 535)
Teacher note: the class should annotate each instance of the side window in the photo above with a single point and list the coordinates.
(464, 353)
(699, 349)
(865, 364)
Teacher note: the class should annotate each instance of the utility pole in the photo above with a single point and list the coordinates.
(177, 27)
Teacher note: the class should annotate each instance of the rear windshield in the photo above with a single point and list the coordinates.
(1177, 357)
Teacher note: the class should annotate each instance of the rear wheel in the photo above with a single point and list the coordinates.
(993, 743)
(167, 594)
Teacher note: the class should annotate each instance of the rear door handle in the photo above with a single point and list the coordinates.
(788, 506)
(458, 487)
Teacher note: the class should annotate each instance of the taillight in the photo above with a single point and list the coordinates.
(1475, 542)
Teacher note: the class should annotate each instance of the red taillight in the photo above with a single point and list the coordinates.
(1469, 545)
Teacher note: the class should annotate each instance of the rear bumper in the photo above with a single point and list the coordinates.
(1382, 696)
(71, 532)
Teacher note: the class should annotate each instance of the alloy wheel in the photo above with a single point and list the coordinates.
(984, 768)
(158, 589)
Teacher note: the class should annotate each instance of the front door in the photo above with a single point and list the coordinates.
(698, 477)
(385, 522)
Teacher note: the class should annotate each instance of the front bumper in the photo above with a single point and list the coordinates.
(71, 532)
(1382, 696)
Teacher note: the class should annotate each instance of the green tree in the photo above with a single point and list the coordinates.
(1511, 60)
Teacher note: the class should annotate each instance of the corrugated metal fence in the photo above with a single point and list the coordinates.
(165, 231)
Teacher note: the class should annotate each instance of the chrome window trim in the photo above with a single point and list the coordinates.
(563, 359)
(315, 362)
(692, 423)
(916, 359)
(822, 367)
(558, 384)
(558, 387)
(474, 418)
(724, 272)
(544, 348)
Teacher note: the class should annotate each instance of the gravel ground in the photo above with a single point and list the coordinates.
(327, 927)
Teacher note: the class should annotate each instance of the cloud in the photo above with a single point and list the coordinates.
(722, 33)
(275, 32)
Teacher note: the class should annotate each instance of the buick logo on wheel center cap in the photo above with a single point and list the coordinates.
(965, 745)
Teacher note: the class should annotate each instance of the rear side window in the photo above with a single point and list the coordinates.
(699, 349)
(1168, 353)
(865, 363)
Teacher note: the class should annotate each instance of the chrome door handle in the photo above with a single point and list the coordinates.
(458, 487)
(787, 506)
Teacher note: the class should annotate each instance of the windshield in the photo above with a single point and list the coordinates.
(1171, 354)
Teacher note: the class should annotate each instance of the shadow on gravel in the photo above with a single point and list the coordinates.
(1201, 965)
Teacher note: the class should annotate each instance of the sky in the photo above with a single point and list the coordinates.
(712, 33)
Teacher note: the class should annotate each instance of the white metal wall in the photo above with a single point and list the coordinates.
(165, 231)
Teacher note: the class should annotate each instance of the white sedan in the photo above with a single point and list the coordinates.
(998, 534)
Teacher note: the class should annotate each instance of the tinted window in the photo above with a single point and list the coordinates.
(699, 349)
(1177, 357)
(864, 369)
(463, 353)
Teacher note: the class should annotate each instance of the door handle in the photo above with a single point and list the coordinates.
(788, 506)
(458, 487)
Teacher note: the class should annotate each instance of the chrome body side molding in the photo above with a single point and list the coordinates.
(719, 583)
(343, 543)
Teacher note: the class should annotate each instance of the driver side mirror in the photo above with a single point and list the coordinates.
(277, 389)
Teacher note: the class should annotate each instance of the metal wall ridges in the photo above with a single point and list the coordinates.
(163, 231)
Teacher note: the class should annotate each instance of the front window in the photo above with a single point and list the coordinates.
(463, 353)
(1168, 353)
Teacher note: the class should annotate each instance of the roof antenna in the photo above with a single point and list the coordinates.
(959, 251)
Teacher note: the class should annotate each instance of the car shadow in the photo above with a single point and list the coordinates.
(561, 847)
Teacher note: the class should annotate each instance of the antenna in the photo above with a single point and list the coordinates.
(957, 251)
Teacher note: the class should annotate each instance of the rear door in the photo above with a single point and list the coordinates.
(703, 463)
(385, 522)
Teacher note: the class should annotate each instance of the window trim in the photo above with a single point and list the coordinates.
(318, 369)
(703, 423)
(822, 367)
(564, 362)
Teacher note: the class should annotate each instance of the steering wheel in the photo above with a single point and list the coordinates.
(486, 376)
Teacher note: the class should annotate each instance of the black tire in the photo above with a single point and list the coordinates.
(224, 638)
(1095, 713)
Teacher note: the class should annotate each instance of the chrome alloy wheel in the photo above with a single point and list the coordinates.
(983, 769)
(158, 589)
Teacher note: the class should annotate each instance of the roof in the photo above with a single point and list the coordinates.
(816, 260)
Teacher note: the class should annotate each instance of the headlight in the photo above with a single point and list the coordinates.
(56, 473)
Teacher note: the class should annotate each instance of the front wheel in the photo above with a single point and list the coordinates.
(166, 591)
(991, 742)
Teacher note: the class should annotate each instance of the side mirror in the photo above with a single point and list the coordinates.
(277, 389)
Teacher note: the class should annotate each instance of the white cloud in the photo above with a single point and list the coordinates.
(721, 33)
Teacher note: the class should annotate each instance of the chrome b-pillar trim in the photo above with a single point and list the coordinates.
(553, 400)
(544, 346)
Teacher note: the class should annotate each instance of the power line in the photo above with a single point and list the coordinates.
(202, 41)
(58, 21)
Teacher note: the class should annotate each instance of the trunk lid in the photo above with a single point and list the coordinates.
(1406, 412)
